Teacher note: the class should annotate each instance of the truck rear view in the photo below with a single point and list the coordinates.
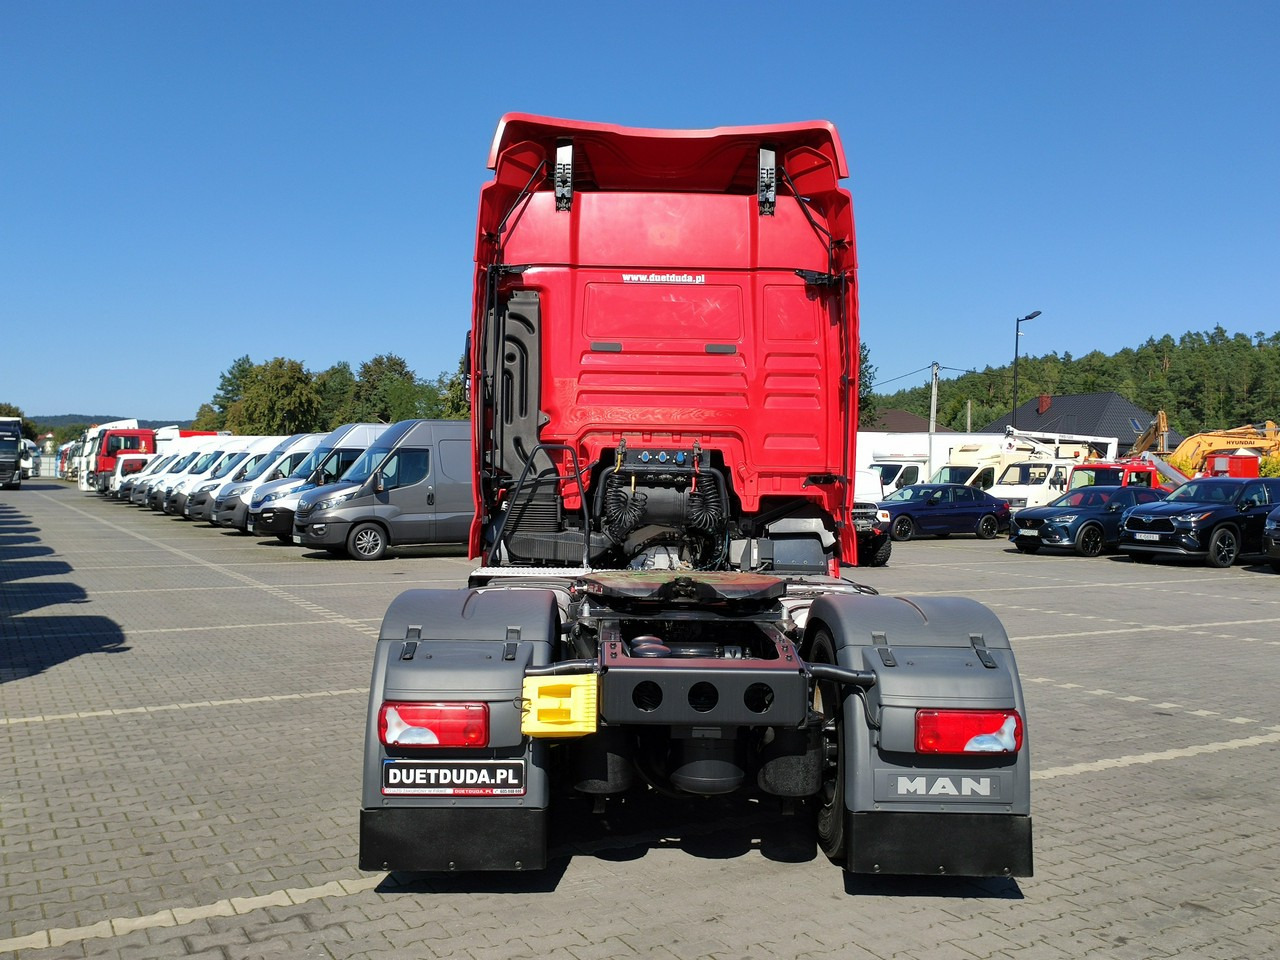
(665, 348)
(664, 382)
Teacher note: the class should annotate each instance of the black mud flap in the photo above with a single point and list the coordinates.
(453, 839)
(938, 844)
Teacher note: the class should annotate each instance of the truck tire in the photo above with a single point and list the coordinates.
(904, 528)
(988, 527)
(1224, 547)
(880, 556)
(830, 813)
(366, 541)
(1089, 540)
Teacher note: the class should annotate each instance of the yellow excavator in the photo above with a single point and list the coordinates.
(1262, 439)
(1191, 455)
(1157, 432)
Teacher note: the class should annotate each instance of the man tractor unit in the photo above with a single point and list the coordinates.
(663, 382)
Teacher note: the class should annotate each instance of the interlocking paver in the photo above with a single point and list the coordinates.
(183, 711)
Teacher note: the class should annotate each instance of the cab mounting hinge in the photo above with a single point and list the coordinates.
(564, 175)
(815, 278)
(767, 182)
(823, 480)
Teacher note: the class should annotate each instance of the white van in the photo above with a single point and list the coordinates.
(273, 504)
(202, 495)
(231, 503)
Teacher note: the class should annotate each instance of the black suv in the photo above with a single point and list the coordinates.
(1271, 539)
(1217, 518)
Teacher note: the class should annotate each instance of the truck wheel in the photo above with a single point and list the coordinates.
(904, 528)
(880, 555)
(1089, 540)
(366, 541)
(827, 701)
(1224, 547)
(988, 527)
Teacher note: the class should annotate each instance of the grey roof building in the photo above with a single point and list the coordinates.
(892, 420)
(1094, 414)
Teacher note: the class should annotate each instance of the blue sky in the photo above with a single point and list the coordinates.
(185, 183)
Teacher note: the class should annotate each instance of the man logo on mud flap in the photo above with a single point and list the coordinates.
(944, 787)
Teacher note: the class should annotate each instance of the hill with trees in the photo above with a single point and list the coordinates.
(1203, 381)
(280, 396)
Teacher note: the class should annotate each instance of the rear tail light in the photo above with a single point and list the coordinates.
(968, 731)
(433, 724)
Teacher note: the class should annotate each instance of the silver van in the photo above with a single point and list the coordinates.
(272, 505)
(412, 486)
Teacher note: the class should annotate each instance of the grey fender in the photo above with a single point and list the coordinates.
(926, 652)
(463, 645)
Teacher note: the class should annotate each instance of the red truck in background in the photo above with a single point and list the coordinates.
(1145, 471)
(108, 445)
(663, 383)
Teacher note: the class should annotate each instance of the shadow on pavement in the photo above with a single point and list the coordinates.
(32, 645)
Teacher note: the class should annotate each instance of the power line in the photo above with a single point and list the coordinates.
(905, 375)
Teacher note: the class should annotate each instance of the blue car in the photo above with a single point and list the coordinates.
(942, 509)
(1087, 519)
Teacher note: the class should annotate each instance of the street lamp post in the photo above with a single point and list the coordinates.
(1017, 332)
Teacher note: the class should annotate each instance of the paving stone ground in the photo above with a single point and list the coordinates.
(181, 713)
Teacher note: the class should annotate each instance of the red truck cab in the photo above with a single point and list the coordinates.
(112, 443)
(1117, 473)
(678, 350)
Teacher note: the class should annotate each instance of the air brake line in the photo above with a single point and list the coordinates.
(804, 208)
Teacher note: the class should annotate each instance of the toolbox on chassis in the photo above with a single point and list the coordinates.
(663, 388)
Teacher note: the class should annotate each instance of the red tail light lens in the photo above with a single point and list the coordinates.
(968, 731)
(433, 724)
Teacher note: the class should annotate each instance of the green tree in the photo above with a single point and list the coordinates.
(29, 429)
(206, 418)
(454, 402)
(231, 386)
(387, 390)
(336, 388)
(69, 432)
(1202, 380)
(278, 397)
(868, 408)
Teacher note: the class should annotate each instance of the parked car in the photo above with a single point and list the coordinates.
(943, 509)
(1271, 539)
(1087, 519)
(1217, 519)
